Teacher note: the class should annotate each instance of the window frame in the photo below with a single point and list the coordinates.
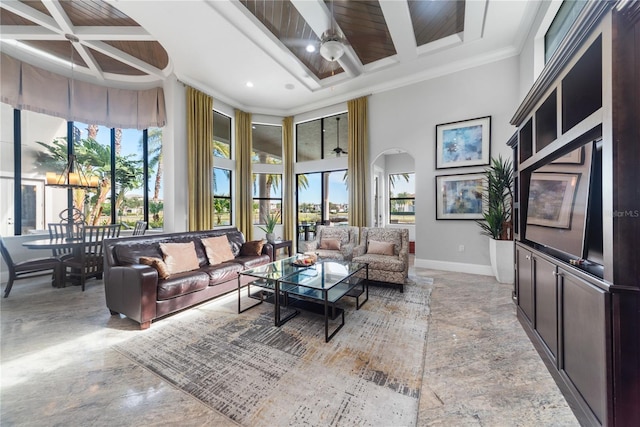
(392, 199)
(71, 140)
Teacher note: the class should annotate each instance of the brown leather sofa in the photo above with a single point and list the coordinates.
(135, 290)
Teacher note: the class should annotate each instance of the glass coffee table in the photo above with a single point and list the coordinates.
(315, 288)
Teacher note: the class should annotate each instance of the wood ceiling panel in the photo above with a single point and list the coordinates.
(148, 51)
(37, 5)
(284, 21)
(59, 49)
(434, 20)
(95, 13)
(111, 65)
(365, 28)
(10, 18)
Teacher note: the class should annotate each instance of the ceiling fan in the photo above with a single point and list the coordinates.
(332, 42)
(338, 150)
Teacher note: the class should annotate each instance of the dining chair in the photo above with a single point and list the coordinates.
(30, 268)
(88, 262)
(64, 230)
(140, 228)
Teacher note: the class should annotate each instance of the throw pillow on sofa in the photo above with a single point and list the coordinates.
(252, 248)
(380, 248)
(180, 257)
(330, 244)
(218, 249)
(158, 264)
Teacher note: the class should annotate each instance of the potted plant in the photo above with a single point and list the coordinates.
(270, 222)
(497, 218)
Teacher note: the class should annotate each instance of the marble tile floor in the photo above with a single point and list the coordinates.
(57, 366)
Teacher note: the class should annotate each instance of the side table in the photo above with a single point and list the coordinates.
(281, 244)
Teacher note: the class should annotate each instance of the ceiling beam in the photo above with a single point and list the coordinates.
(319, 18)
(124, 33)
(474, 17)
(400, 27)
(59, 15)
(28, 32)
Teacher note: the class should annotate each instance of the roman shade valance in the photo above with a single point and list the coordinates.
(26, 87)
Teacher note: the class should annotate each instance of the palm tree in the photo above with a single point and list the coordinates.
(154, 146)
(96, 160)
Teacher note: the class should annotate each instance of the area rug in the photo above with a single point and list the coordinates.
(257, 374)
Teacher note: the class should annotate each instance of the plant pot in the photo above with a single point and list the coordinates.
(502, 262)
(271, 237)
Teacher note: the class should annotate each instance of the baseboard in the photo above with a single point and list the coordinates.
(457, 267)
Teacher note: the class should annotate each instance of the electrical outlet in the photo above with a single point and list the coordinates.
(461, 248)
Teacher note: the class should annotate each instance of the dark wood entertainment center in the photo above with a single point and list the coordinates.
(582, 312)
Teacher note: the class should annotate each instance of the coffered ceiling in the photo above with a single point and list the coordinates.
(220, 46)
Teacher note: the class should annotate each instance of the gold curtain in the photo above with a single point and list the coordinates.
(200, 159)
(358, 169)
(288, 199)
(244, 180)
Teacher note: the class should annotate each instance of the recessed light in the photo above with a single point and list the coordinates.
(311, 48)
(249, 84)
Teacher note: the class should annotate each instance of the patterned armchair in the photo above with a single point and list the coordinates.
(348, 237)
(386, 250)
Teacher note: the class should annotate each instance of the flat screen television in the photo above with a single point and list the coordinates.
(564, 207)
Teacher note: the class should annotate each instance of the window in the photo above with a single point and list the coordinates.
(402, 198)
(222, 196)
(120, 196)
(566, 16)
(221, 135)
(155, 210)
(267, 196)
(319, 139)
(323, 196)
(267, 144)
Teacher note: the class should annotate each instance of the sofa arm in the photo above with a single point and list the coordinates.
(132, 290)
(347, 251)
(359, 250)
(267, 249)
(308, 246)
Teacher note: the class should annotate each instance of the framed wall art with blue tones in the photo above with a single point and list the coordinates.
(460, 196)
(463, 143)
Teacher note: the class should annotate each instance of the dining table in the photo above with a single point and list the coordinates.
(73, 243)
(54, 243)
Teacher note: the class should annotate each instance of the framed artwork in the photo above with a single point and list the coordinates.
(460, 196)
(551, 198)
(465, 143)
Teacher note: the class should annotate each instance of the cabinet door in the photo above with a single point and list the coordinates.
(584, 341)
(546, 303)
(525, 283)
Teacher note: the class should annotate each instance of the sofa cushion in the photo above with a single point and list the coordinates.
(340, 233)
(253, 248)
(330, 244)
(130, 253)
(381, 262)
(223, 272)
(180, 257)
(390, 235)
(380, 248)
(158, 264)
(236, 239)
(218, 249)
(252, 261)
(182, 284)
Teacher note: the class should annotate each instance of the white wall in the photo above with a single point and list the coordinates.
(532, 55)
(406, 119)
